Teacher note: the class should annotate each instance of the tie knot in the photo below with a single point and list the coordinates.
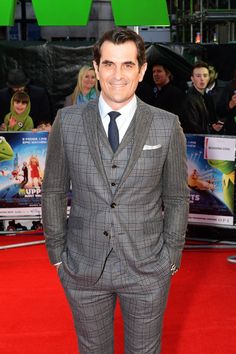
(114, 114)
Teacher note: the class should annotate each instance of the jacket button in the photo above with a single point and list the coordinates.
(113, 166)
(113, 205)
(105, 233)
(113, 184)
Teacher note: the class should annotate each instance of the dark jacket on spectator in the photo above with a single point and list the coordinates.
(225, 113)
(169, 98)
(198, 113)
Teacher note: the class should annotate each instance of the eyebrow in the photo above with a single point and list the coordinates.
(130, 62)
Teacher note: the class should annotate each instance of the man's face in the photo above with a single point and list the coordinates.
(119, 73)
(200, 78)
(160, 76)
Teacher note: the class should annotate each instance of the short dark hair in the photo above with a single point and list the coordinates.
(120, 36)
(201, 64)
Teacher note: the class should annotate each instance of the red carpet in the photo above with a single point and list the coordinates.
(35, 317)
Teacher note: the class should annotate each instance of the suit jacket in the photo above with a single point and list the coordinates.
(130, 220)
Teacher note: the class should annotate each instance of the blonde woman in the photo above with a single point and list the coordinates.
(86, 87)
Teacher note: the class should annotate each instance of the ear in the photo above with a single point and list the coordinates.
(142, 71)
(96, 69)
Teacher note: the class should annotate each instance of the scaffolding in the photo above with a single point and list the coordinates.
(203, 21)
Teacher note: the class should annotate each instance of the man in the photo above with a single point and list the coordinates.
(40, 106)
(199, 116)
(215, 89)
(226, 107)
(162, 93)
(166, 95)
(215, 86)
(116, 243)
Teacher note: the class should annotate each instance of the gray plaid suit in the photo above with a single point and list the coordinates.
(116, 241)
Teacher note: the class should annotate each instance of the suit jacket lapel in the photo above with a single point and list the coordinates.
(142, 121)
(90, 123)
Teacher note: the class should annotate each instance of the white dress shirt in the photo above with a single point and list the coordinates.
(125, 118)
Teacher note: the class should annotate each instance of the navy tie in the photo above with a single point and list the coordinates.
(113, 132)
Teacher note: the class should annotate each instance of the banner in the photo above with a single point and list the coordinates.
(211, 175)
(22, 162)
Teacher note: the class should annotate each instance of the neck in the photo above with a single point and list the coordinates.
(85, 91)
(164, 84)
(202, 91)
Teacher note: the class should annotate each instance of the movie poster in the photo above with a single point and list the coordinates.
(22, 162)
(211, 175)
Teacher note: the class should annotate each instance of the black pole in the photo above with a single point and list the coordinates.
(23, 21)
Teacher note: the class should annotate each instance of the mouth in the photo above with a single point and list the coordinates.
(118, 86)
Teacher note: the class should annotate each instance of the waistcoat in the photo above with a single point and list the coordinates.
(115, 163)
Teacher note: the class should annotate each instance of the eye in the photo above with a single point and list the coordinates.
(108, 64)
(129, 65)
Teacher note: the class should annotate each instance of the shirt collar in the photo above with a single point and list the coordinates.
(127, 110)
(211, 87)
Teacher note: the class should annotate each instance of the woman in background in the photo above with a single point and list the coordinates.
(86, 87)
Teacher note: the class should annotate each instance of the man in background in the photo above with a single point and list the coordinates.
(166, 95)
(161, 92)
(199, 114)
(226, 107)
(124, 160)
(40, 106)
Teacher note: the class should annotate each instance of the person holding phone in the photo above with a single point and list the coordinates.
(226, 107)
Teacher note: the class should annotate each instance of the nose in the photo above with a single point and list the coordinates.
(118, 72)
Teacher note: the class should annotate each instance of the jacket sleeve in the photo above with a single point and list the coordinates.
(175, 194)
(6, 120)
(55, 190)
(223, 109)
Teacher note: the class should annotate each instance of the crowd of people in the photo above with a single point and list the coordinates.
(26, 107)
(207, 106)
(23, 106)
